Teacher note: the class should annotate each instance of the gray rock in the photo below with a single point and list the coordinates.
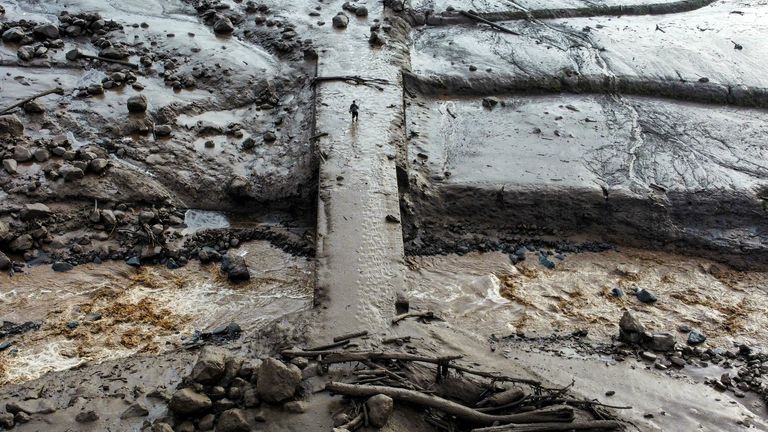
(22, 154)
(5, 262)
(210, 365)
(14, 34)
(162, 427)
(41, 155)
(34, 406)
(295, 407)
(71, 173)
(361, 11)
(277, 381)
(630, 328)
(62, 267)
(114, 53)
(47, 31)
(33, 107)
(108, 216)
(223, 26)
(22, 417)
(233, 420)
(137, 104)
(98, 165)
(206, 423)
(646, 296)
(187, 401)
(645, 355)
(10, 166)
(5, 231)
(236, 268)
(11, 125)
(380, 408)
(662, 342)
(6, 420)
(696, 338)
(137, 409)
(163, 130)
(22, 243)
(35, 211)
(340, 21)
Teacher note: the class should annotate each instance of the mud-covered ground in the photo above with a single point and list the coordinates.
(551, 173)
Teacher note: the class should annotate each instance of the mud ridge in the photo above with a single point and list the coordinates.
(703, 91)
(428, 17)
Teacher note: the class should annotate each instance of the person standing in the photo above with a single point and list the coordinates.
(354, 109)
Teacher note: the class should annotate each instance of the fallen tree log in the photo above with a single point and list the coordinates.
(556, 413)
(57, 90)
(554, 427)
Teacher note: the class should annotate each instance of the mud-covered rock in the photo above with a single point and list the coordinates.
(236, 268)
(340, 21)
(187, 401)
(22, 243)
(223, 25)
(137, 409)
(137, 104)
(10, 166)
(10, 125)
(380, 408)
(34, 406)
(662, 342)
(5, 262)
(89, 416)
(630, 328)
(35, 211)
(46, 31)
(233, 420)
(14, 34)
(210, 366)
(6, 420)
(277, 381)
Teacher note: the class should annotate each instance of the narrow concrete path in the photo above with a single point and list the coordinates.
(359, 253)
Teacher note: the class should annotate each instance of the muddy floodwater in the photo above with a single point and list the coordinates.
(112, 311)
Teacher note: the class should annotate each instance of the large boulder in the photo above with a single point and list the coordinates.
(380, 408)
(277, 381)
(10, 125)
(22, 154)
(187, 402)
(210, 366)
(233, 420)
(14, 34)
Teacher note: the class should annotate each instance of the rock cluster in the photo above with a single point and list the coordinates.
(222, 392)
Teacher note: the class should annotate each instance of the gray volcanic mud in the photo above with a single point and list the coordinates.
(639, 170)
(628, 170)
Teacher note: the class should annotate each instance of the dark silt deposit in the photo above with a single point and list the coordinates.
(543, 215)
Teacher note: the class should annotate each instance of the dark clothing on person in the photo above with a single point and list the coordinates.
(354, 109)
